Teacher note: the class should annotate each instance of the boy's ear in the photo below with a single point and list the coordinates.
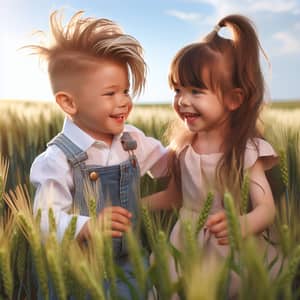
(235, 99)
(66, 102)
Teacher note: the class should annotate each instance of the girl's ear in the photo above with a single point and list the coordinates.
(66, 102)
(235, 99)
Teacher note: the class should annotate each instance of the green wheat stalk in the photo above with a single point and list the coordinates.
(162, 257)
(2, 203)
(7, 276)
(38, 217)
(285, 179)
(94, 286)
(92, 207)
(292, 268)
(37, 252)
(99, 250)
(190, 242)
(52, 222)
(109, 265)
(233, 223)
(136, 259)
(149, 228)
(204, 212)
(21, 255)
(69, 232)
(285, 240)
(55, 267)
(245, 193)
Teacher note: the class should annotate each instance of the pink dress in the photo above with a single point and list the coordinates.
(194, 168)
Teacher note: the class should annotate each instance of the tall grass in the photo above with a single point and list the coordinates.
(29, 263)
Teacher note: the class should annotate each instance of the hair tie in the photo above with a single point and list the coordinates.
(217, 28)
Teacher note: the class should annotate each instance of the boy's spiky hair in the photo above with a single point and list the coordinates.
(88, 39)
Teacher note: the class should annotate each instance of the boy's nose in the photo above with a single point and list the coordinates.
(124, 100)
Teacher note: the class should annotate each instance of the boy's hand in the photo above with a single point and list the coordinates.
(115, 220)
(217, 225)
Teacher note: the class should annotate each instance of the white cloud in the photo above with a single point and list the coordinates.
(275, 6)
(245, 6)
(297, 26)
(289, 44)
(185, 16)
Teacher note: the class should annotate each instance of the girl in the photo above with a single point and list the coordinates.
(219, 91)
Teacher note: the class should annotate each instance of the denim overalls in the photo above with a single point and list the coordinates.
(116, 185)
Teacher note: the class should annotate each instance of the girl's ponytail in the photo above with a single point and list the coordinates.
(246, 51)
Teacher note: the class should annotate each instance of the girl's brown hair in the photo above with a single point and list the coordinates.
(221, 65)
(81, 42)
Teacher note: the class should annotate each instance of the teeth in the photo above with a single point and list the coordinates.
(190, 115)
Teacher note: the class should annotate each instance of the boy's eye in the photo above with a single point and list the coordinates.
(177, 91)
(109, 94)
(126, 92)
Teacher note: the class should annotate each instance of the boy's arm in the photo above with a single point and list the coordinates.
(53, 180)
(51, 175)
(113, 221)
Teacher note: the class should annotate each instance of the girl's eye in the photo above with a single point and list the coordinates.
(126, 92)
(196, 91)
(177, 91)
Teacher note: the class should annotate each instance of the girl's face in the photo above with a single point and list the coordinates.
(200, 109)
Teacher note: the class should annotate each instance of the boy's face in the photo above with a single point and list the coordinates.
(103, 102)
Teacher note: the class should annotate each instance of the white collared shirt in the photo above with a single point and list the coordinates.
(52, 175)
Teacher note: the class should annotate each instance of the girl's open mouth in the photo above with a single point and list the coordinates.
(190, 117)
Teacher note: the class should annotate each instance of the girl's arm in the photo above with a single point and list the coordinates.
(169, 198)
(261, 216)
(263, 213)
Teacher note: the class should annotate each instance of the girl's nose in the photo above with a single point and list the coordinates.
(183, 101)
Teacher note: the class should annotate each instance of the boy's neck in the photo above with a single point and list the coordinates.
(106, 138)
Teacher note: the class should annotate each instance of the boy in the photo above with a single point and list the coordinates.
(90, 63)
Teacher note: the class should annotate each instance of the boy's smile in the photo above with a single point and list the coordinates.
(103, 102)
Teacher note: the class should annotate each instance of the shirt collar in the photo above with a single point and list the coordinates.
(77, 135)
(81, 138)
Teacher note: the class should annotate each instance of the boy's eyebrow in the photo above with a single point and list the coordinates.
(114, 86)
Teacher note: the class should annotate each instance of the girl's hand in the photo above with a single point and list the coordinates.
(114, 220)
(217, 225)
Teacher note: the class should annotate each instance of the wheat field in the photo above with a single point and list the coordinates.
(28, 262)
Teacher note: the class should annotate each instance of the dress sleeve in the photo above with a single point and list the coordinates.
(260, 149)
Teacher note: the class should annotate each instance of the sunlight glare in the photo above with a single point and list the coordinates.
(23, 77)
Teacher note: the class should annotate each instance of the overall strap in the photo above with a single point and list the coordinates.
(129, 144)
(76, 158)
(74, 154)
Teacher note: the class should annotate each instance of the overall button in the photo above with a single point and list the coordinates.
(94, 176)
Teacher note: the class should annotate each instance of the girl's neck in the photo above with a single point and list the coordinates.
(208, 142)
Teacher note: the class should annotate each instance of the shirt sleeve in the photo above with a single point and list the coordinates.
(151, 154)
(53, 179)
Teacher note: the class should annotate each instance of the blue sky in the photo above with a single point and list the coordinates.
(162, 27)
